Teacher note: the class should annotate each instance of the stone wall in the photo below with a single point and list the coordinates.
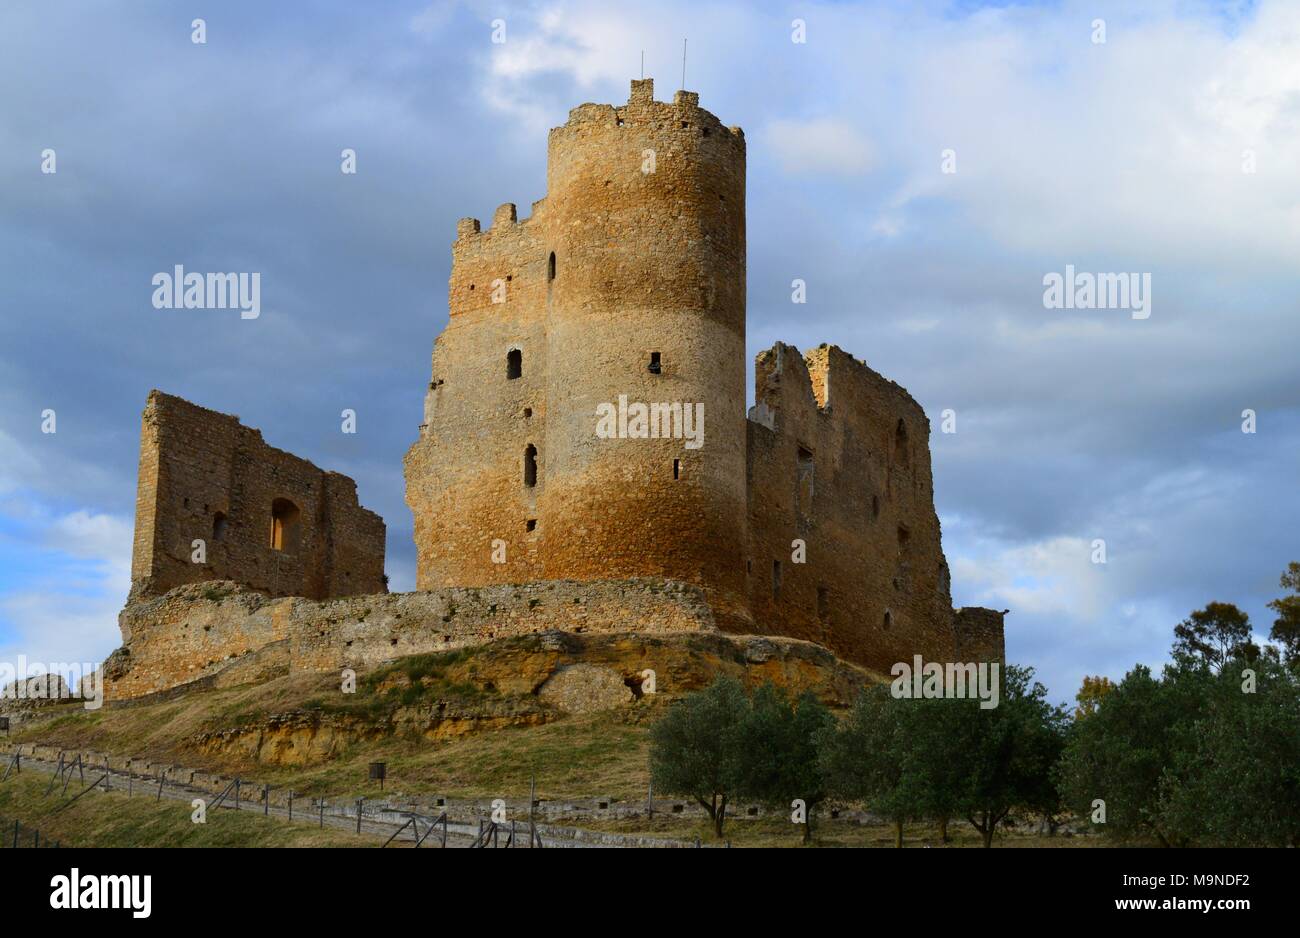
(267, 519)
(839, 458)
(978, 634)
(196, 631)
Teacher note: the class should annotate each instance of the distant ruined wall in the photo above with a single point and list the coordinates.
(979, 634)
(197, 630)
(839, 458)
(269, 520)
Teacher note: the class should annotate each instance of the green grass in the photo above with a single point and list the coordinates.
(572, 756)
(111, 819)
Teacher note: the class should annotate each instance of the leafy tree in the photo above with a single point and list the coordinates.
(1090, 695)
(695, 748)
(1121, 753)
(778, 751)
(936, 731)
(1213, 635)
(866, 758)
(1008, 752)
(1286, 628)
(1234, 776)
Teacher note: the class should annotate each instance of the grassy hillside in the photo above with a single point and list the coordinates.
(446, 725)
(237, 730)
(111, 819)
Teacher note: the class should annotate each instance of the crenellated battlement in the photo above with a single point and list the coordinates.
(683, 113)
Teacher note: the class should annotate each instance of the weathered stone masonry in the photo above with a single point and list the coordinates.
(267, 518)
(811, 517)
(207, 629)
(630, 284)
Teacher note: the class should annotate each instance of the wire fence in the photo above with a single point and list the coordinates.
(71, 777)
(14, 833)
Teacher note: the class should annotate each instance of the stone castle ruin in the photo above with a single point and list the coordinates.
(811, 517)
(265, 518)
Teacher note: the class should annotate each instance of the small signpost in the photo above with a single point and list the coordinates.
(378, 770)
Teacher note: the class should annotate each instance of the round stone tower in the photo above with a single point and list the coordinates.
(645, 306)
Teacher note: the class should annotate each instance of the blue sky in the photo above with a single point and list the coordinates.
(1072, 424)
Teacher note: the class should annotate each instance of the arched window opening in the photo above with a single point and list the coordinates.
(514, 364)
(900, 443)
(889, 620)
(284, 525)
(219, 526)
(530, 465)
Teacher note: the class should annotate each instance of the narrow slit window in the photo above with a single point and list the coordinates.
(656, 365)
(550, 267)
(514, 364)
(219, 526)
(776, 579)
(804, 480)
(823, 603)
(530, 465)
(902, 451)
(677, 468)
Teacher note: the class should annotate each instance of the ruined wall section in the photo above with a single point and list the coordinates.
(465, 474)
(201, 630)
(839, 457)
(205, 476)
(978, 634)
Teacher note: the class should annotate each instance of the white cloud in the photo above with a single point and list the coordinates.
(1134, 146)
(822, 145)
(70, 613)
